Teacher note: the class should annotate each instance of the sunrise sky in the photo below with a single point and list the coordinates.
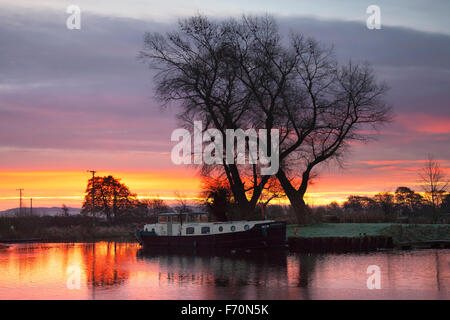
(77, 100)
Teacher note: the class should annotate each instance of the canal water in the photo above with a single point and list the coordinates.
(115, 270)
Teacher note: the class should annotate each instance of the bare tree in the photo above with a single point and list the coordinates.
(198, 67)
(64, 210)
(385, 202)
(241, 74)
(156, 205)
(434, 183)
(408, 201)
(217, 198)
(272, 191)
(182, 204)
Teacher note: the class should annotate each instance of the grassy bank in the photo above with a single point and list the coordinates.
(77, 228)
(76, 233)
(337, 229)
(411, 233)
(79, 233)
(401, 233)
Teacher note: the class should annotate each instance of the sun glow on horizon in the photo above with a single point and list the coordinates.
(54, 188)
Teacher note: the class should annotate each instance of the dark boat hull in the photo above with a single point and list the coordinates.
(263, 235)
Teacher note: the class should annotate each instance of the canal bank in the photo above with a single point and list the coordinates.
(361, 237)
(334, 237)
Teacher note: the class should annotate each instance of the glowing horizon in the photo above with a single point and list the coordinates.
(46, 189)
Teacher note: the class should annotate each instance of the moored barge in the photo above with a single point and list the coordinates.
(192, 230)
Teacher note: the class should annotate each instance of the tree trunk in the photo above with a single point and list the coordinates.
(300, 208)
(246, 210)
(295, 198)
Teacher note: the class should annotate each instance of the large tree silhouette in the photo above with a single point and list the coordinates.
(242, 74)
(111, 198)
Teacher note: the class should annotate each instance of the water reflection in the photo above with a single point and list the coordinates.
(222, 270)
(101, 263)
(113, 270)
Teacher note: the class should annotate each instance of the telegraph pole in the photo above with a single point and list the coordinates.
(20, 201)
(31, 206)
(93, 194)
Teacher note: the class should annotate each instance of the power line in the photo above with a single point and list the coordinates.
(20, 201)
(93, 194)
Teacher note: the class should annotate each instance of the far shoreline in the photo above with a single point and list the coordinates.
(401, 233)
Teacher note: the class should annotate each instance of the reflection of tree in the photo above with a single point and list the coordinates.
(438, 281)
(102, 261)
(307, 267)
(264, 269)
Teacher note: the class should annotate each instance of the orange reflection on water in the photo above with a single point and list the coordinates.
(114, 270)
(41, 271)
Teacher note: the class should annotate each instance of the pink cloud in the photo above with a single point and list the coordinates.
(390, 162)
(425, 123)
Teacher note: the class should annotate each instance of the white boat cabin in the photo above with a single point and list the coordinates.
(194, 224)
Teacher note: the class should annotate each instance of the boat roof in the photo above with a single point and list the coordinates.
(180, 213)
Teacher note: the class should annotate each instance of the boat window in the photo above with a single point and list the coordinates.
(246, 227)
(162, 219)
(233, 228)
(190, 230)
(175, 219)
(153, 229)
(205, 230)
(221, 229)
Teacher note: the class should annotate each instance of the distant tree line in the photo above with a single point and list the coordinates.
(404, 201)
(403, 205)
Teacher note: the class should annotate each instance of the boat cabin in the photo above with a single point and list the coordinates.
(194, 224)
(183, 217)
